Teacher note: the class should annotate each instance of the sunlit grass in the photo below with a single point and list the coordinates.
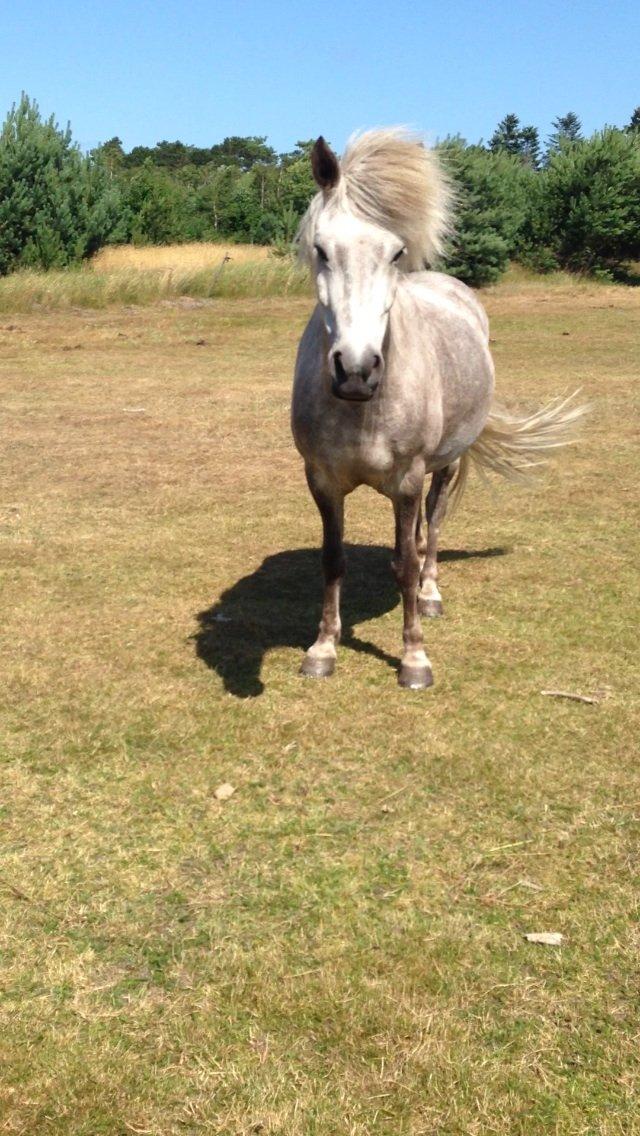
(132, 275)
(182, 258)
(337, 948)
(90, 287)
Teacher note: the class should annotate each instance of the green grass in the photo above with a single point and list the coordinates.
(339, 947)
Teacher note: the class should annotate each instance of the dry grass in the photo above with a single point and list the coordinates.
(137, 276)
(182, 258)
(337, 948)
(29, 291)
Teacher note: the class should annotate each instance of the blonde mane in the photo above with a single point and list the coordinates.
(389, 178)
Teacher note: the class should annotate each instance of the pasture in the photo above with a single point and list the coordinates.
(338, 947)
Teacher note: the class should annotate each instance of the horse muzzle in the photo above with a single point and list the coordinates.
(358, 384)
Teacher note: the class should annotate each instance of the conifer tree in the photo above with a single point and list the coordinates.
(510, 137)
(587, 203)
(530, 146)
(507, 137)
(567, 129)
(491, 192)
(56, 206)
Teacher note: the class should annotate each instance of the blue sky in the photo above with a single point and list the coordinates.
(198, 70)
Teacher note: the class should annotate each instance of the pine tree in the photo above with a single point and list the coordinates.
(111, 154)
(510, 137)
(634, 121)
(530, 149)
(507, 137)
(56, 206)
(587, 214)
(491, 191)
(567, 129)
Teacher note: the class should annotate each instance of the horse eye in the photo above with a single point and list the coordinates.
(396, 258)
(322, 254)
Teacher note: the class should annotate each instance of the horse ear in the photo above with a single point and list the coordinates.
(325, 165)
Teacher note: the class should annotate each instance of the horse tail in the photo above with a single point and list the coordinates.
(514, 446)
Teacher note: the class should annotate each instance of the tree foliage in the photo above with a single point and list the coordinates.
(491, 189)
(567, 129)
(523, 142)
(585, 210)
(56, 206)
(579, 211)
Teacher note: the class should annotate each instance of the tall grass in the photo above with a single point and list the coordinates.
(520, 277)
(143, 276)
(197, 254)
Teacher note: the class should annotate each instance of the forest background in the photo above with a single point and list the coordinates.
(570, 202)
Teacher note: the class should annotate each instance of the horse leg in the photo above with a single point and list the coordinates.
(421, 542)
(320, 659)
(429, 598)
(415, 668)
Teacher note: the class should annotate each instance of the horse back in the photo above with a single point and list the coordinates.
(452, 293)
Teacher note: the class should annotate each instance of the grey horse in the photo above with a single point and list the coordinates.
(394, 377)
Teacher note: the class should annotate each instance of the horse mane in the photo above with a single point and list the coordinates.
(389, 178)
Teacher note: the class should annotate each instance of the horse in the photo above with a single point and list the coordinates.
(393, 378)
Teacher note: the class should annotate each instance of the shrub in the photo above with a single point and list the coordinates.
(585, 208)
(492, 193)
(56, 206)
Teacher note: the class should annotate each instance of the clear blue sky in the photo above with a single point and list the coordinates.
(202, 69)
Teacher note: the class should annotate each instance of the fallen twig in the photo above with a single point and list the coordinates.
(512, 844)
(568, 694)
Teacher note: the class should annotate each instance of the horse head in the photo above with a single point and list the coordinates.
(356, 268)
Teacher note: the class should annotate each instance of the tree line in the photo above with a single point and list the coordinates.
(572, 202)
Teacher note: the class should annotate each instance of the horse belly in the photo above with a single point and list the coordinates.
(465, 380)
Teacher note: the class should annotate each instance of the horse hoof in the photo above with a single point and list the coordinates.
(431, 608)
(317, 667)
(415, 678)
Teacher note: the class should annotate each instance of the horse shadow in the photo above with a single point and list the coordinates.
(279, 605)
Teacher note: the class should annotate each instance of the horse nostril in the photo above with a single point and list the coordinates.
(341, 374)
(376, 361)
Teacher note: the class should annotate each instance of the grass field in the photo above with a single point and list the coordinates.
(338, 947)
(129, 275)
(199, 254)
